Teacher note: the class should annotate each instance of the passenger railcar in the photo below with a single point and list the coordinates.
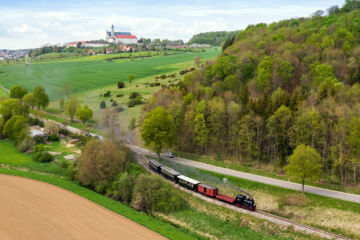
(170, 174)
(155, 166)
(188, 182)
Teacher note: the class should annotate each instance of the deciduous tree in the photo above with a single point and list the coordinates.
(71, 108)
(40, 97)
(158, 130)
(304, 164)
(18, 92)
(84, 113)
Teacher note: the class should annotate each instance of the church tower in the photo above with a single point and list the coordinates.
(112, 31)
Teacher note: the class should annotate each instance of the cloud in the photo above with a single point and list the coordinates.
(27, 29)
(55, 23)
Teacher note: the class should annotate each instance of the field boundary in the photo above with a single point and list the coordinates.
(147, 221)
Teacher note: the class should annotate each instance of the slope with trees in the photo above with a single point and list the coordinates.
(212, 38)
(273, 88)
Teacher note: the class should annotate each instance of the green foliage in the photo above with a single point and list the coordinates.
(158, 130)
(304, 164)
(322, 72)
(54, 137)
(41, 155)
(122, 188)
(61, 104)
(286, 71)
(212, 38)
(131, 77)
(152, 193)
(7, 108)
(29, 99)
(18, 92)
(72, 108)
(84, 113)
(264, 73)
(132, 124)
(189, 98)
(16, 128)
(134, 102)
(27, 144)
(41, 99)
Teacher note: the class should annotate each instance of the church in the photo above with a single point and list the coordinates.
(120, 37)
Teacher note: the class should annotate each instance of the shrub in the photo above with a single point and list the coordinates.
(26, 145)
(40, 139)
(163, 76)
(107, 94)
(152, 193)
(123, 187)
(132, 124)
(16, 128)
(119, 95)
(155, 84)
(54, 138)
(134, 95)
(120, 84)
(114, 104)
(72, 171)
(111, 100)
(52, 127)
(40, 155)
(103, 104)
(134, 102)
(35, 121)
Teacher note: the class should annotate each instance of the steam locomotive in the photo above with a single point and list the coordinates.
(244, 200)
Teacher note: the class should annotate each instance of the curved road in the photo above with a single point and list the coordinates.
(36, 210)
(252, 177)
(256, 178)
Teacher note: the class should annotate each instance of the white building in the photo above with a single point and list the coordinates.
(120, 37)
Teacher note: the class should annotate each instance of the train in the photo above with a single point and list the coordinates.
(245, 200)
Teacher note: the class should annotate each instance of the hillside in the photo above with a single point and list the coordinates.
(212, 38)
(273, 88)
(88, 73)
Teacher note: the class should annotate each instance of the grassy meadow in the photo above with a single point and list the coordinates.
(87, 75)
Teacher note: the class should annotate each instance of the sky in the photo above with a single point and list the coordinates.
(34, 23)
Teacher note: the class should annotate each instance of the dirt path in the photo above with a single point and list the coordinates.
(31, 209)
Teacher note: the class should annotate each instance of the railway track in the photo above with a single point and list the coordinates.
(284, 222)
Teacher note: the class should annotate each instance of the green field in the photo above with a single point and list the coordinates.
(87, 75)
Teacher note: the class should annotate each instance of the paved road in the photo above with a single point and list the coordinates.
(256, 178)
(252, 177)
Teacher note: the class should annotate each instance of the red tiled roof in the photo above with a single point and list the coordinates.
(126, 36)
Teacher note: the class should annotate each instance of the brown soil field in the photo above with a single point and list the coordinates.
(31, 209)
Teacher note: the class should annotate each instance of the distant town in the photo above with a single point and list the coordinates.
(113, 42)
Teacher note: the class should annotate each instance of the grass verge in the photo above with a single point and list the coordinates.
(266, 172)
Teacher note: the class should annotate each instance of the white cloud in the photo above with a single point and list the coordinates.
(167, 20)
(24, 28)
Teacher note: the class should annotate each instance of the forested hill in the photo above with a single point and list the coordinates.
(276, 87)
(212, 38)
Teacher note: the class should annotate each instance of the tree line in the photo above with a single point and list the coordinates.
(274, 88)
